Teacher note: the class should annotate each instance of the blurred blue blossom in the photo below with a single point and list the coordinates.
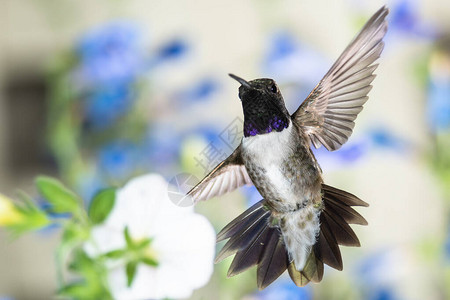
(382, 294)
(282, 45)
(199, 91)
(382, 137)
(439, 103)
(111, 53)
(47, 207)
(447, 244)
(107, 103)
(285, 290)
(90, 184)
(375, 139)
(351, 152)
(162, 143)
(378, 273)
(119, 159)
(405, 19)
(209, 134)
(292, 61)
(173, 49)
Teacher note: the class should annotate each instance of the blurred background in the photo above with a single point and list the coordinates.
(96, 93)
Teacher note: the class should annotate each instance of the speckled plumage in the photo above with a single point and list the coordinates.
(301, 221)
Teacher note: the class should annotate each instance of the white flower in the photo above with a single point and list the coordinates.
(183, 242)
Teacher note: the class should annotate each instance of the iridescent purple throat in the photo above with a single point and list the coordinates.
(274, 124)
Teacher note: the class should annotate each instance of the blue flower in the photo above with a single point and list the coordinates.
(89, 184)
(174, 49)
(404, 15)
(439, 103)
(384, 138)
(447, 245)
(199, 91)
(295, 65)
(107, 103)
(350, 153)
(282, 45)
(292, 61)
(285, 290)
(209, 133)
(383, 293)
(119, 159)
(406, 22)
(110, 54)
(47, 207)
(162, 144)
(377, 273)
(405, 19)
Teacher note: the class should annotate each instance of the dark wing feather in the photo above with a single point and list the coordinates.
(225, 177)
(328, 113)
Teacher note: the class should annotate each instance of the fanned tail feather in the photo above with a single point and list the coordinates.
(256, 241)
(335, 218)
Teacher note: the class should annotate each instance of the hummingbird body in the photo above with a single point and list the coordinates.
(300, 222)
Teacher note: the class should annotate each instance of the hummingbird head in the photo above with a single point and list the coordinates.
(263, 106)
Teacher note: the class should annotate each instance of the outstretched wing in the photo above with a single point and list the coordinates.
(328, 113)
(225, 177)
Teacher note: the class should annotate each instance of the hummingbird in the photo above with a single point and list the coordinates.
(300, 222)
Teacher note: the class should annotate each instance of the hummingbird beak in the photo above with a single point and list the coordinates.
(240, 80)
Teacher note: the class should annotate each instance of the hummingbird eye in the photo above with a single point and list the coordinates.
(273, 88)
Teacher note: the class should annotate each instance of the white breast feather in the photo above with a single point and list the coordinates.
(269, 152)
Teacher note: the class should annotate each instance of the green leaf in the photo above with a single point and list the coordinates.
(143, 244)
(93, 283)
(78, 290)
(131, 272)
(115, 254)
(128, 239)
(62, 199)
(101, 205)
(74, 233)
(31, 217)
(149, 261)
